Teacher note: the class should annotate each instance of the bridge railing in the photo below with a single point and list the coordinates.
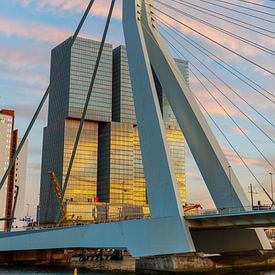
(74, 220)
(227, 210)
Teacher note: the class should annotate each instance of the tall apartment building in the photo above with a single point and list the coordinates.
(17, 176)
(108, 162)
(8, 139)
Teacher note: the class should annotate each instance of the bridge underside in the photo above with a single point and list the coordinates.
(150, 237)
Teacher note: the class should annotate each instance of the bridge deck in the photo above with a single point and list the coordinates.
(241, 219)
(129, 234)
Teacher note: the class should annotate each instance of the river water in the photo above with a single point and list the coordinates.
(66, 271)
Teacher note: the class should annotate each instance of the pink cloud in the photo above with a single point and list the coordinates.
(33, 30)
(23, 58)
(232, 157)
(212, 107)
(30, 68)
(100, 8)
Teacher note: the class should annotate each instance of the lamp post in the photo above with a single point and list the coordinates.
(231, 193)
(123, 191)
(251, 195)
(28, 209)
(271, 186)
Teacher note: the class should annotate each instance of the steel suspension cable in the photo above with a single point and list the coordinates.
(246, 8)
(102, 43)
(240, 157)
(217, 76)
(214, 14)
(231, 34)
(217, 43)
(52, 83)
(256, 4)
(219, 103)
(221, 63)
(221, 131)
(235, 150)
(237, 11)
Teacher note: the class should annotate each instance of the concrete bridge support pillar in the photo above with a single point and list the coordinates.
(188, 262)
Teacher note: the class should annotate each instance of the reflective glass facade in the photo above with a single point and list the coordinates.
(69, 92)
(123, 103)
(83, 178)
(52, 160)
(139, 188)
(115, 170)
(123, 109)
(83, 59)
(57, 149)
(66, 104)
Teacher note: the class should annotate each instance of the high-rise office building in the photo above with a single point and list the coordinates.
(124, 113)
(66, 104)
(108, 164)
(17, 176)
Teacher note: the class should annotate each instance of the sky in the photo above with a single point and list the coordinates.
(29, 29)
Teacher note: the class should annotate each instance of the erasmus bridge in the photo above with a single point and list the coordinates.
(151, 36)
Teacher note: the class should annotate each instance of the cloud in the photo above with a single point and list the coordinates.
(23, 58)
(25, 66)
(212, 107)
(26, 111)
(100, 8)
(33, 30)
(232, 157)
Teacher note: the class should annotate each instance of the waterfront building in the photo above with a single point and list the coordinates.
(66, 104)
(8, 138)
(124, 112)
(108, 164)
(17, 176)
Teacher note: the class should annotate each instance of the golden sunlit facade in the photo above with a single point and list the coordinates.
(115, 170)
(82, 186)
(139, 188)
(123, 108)
(176, 142)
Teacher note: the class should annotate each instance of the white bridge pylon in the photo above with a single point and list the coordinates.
(146, 50)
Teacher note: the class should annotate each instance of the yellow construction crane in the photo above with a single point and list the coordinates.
(58, 192)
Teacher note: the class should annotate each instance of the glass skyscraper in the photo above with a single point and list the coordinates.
(66, 104)
(123, 110)
(108, 164)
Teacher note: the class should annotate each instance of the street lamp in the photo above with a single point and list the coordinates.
(123, 191)
(28, 210)
(231, 191)
(271, 185)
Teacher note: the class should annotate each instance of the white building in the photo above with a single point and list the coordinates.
(8, 139)
(6, 133)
